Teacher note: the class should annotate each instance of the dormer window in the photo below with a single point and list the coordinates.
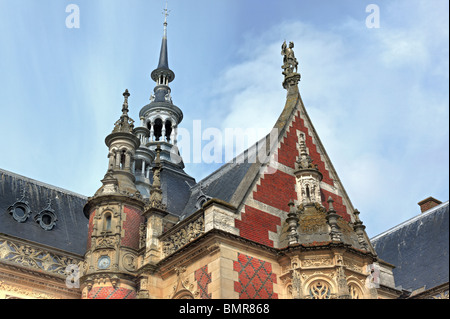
(46, 219)
(201, 200)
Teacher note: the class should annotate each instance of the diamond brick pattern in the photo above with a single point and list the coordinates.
(255, 278)
(203, 278)
(111, 293)
(131, 227)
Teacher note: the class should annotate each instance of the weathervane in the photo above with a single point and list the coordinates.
(166, 13)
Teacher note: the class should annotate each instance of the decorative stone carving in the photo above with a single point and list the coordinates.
(220, 219)
(183, 289)
(20, 210)
(332, 219)
(47, 218)
(183, 236)
(106, 241)
(292, 221)
(359, 229)
(313, 223)
(129, 262)
(35, 258)
(142, 234)
(354, 291)
(341, 279)
(317, 262)
(307, 175)
(290, 65)
(320, 289)
(19, 291)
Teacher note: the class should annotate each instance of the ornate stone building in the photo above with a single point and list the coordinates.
(275, 222)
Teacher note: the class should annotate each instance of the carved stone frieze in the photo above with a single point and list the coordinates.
(183, 236)
(317, 262)
(23, 292)
(106, 241)
(28, 256)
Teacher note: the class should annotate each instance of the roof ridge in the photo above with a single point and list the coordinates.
(39, 183)
(409, 221)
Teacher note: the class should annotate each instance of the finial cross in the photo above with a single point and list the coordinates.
(166, 13)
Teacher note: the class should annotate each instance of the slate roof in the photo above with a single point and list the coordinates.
(176, 188)
(221, 184)
(70, 230)
(419, 248)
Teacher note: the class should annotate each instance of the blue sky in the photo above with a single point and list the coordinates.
(378, 97)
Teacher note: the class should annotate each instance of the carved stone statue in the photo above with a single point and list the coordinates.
(290, 65)
(289, 60)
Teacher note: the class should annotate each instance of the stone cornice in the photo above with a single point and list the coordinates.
(118, 198)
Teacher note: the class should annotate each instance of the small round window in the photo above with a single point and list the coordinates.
(20, 211)
(46, 219)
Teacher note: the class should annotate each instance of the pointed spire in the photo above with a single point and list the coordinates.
(332, 219)
(330, 205)
(292, 220)
(125, 94)
(163, 60)
(124, 124)
(359, 229)
(162, 75)
(304, 160)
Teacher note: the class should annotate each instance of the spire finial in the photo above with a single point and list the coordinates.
(330, 203)
(290, 65)
(124, 123)
(166, 14)
(126, 94)
(162, 75)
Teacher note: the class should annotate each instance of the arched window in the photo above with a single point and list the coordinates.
(158, 129)
(107, 222)
(168, 130)
(355, 292)
(183, 294)
(122, 160)
(320, 289)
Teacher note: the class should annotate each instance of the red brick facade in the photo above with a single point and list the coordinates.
(277, 189)
(203, 279)
(288, 152)
(339, 207)
(255, 278)
(256, 224)
(131, 226)
(111, 293)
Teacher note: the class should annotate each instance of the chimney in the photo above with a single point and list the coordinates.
(428, 203)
